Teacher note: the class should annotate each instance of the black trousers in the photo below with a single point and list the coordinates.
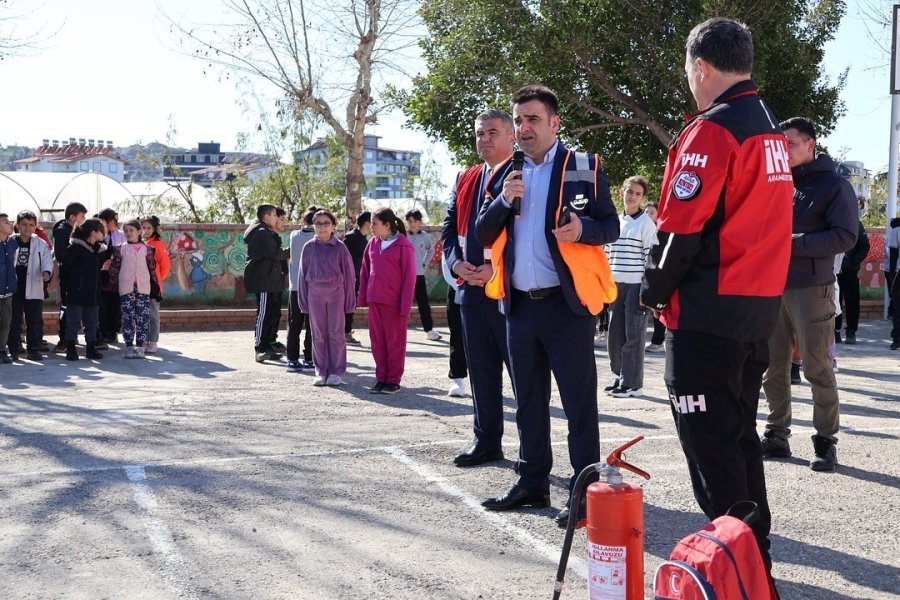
(895, 300)
(848, 284)
(714, 386)
(34, 323)
(484, 330)
(545, 336)
(421, 295)
(659, 332)
(268, 317)
(348, 321)
(297, 321)
(110, 311)
(458, 367)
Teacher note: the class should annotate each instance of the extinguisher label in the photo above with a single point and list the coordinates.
(607, 571)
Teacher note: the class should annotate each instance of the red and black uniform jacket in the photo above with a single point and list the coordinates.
(724, 222)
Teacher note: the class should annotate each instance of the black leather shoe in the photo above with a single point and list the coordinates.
(477, 455)
(562, 518)
(517, 497)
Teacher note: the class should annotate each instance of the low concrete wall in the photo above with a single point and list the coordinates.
(231, 319)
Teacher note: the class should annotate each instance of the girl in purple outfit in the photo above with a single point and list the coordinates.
(327, 293)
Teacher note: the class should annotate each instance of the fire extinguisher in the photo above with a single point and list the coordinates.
(615, 530)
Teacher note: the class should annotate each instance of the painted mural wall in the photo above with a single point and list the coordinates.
(208, 264)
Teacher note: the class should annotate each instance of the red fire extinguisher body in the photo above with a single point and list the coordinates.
(615, 541)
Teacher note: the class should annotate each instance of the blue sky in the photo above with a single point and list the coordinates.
(111, 71)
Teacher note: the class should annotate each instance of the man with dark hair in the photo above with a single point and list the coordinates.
(356, 242)
(825, 224)
(34, 266)
(74, 214)
(717, 272)
(546, 226)
(264, 276)
(483, 327)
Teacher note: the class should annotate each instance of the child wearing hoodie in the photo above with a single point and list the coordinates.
(387, 282)
(264, 276)
(79, 275)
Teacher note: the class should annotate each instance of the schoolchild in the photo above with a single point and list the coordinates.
(386, 284)
(424, 248)
(326, 293)
(297, 320)
(34, 266)
(62, 233)
(151, 236)
(7, 282)
(132, 269)
(79, 276)
(110, 305)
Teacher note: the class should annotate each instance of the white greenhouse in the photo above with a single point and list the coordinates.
(47, 194)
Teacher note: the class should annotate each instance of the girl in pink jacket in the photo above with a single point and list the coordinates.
(387, 281)
(132, 269)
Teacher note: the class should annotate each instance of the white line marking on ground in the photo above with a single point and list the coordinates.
(551, 553)
(174, 569)
(213, 460)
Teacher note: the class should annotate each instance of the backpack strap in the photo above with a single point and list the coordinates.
(730, 555)
(708, 592)
(745, 510)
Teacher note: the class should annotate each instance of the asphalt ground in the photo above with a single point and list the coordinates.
(198, 473)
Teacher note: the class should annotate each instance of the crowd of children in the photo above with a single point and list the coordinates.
(109, 280)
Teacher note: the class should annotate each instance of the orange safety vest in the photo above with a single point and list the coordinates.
(591, 274)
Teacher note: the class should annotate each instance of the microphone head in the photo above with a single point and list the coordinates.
(518, 160)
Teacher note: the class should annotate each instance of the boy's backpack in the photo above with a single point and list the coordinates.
(722, 561)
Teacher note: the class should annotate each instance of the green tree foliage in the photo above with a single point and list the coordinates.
(617, 65)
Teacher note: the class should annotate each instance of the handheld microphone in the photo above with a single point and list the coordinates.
(518, 163)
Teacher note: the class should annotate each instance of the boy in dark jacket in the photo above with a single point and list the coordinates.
(7, 281)
(264, 276)
(76, 212)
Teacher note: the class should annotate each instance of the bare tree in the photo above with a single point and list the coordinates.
(320, 54)
(18, 41)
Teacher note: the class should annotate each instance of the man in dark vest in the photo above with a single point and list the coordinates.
(546, 226)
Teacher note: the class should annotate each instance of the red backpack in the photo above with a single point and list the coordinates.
(722, 561)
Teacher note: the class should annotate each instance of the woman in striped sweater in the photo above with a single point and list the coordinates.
(628, 319)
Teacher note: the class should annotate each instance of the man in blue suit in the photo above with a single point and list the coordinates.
(484, 328)
(554, 279)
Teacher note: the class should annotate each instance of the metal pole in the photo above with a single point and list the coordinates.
(891, 185)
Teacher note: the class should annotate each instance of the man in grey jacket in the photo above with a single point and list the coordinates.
(825, 224)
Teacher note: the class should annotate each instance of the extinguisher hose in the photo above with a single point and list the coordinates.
(574, 505)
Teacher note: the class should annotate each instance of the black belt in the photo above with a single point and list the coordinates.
(539, 293)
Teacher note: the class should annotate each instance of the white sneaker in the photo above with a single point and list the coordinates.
(457, 388)
(334, 380)
(319, 380)
(138, 352)
(129, 352)
(433, 335)
(152, 347)
(654, 348)
(600, 340)
(623, 391)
